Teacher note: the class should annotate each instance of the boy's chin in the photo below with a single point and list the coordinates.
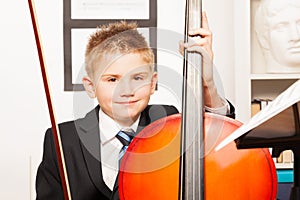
(128, 113)
(127, 119)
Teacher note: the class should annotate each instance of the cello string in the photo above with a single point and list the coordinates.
(191, 163)
(182, 181)
(183, 113)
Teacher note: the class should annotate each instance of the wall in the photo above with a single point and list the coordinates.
(24, 114)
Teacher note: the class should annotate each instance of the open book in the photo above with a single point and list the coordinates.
(275, 120)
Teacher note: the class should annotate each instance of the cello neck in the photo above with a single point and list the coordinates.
(192, 133)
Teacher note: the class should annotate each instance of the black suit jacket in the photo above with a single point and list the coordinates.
(81, 146)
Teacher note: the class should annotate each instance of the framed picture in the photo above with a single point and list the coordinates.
(81, 18)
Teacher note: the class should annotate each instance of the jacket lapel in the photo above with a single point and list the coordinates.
(88, 132)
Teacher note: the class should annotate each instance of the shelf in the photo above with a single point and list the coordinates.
(284, 165)
(269, 88)
(274, 76)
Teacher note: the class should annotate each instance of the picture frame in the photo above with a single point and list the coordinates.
(78, 23)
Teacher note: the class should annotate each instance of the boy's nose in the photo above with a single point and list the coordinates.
(125, 88)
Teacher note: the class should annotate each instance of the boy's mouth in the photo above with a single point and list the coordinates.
(126, 102)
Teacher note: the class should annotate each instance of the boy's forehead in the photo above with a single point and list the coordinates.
(118, 62)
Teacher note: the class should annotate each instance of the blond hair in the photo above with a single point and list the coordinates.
(115, 38)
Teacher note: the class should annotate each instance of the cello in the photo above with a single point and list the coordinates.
(173, 158)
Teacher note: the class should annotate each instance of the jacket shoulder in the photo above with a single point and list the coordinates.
(159, 111)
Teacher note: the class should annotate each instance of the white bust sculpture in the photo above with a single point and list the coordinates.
(277, 25)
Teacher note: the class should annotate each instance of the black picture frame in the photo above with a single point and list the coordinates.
(69, 24)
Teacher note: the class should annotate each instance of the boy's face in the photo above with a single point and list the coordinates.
(124, 88)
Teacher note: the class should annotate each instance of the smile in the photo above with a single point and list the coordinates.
(126, 102)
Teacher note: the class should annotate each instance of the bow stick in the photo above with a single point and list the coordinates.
(55, 130)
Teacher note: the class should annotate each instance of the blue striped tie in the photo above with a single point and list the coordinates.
(125, 138)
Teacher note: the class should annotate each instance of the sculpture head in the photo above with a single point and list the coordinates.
(277, 25)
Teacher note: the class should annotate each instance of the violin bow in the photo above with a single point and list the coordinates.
(55, 130)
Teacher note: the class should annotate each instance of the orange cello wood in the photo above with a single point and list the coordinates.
(150, 167)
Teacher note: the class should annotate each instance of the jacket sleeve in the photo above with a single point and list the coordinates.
(231, 111)
(48, 182)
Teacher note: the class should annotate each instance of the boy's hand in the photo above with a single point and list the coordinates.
(202, 42)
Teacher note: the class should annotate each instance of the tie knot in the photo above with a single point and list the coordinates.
(125, 136)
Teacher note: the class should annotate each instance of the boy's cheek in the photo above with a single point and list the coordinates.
(140, 86)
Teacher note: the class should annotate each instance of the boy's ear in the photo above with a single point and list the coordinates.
(153, 82)
(89, 86)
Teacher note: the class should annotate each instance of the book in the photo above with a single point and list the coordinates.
(264, 125)
(286, 156)
(258, 104)
(255, 107)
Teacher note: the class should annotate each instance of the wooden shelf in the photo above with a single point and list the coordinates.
(274, 76)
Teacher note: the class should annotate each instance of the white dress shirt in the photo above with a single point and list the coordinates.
(110, 147)
(224, 110)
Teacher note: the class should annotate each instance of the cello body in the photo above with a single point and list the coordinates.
(150, 167)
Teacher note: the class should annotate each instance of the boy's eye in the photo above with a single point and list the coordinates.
(137, 78)
(140, 76)
(112, 80)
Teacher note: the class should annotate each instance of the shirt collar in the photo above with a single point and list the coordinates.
(109, 128)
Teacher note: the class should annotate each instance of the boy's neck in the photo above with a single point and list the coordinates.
(126, 123)
(133, 123)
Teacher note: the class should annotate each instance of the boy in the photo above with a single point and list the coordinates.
(120, 75)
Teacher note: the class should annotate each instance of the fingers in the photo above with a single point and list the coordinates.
(197, 41)
(204, 20)
(195, 47)
(201, 37)
(181, 47)
(193, 44)
(205, 55)
(203, 32)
